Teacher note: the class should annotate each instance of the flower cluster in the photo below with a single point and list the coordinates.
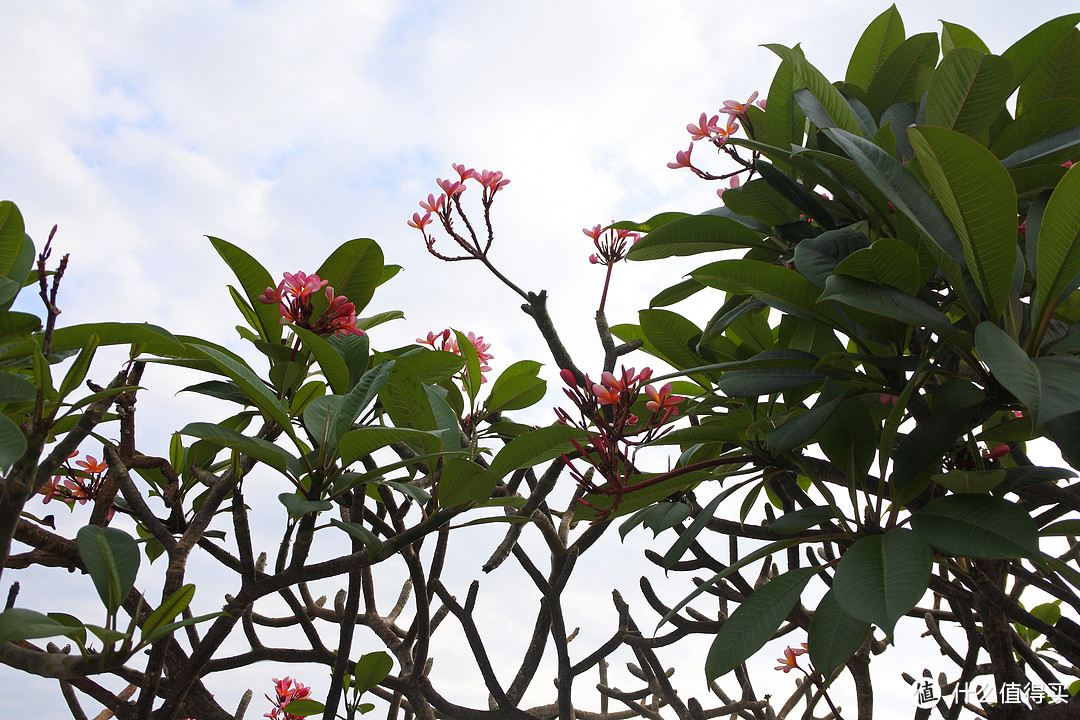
(76, 484)
(286, 690)
(710, 129)
(294, 295)
(613, 431)
(610, 244)
(447, 341)
(449, 200)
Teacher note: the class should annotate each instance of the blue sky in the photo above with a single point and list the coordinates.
(288, 128)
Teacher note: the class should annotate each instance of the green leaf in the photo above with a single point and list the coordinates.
(16, 389)
(77, 372)
(111, 557)
(1046, 385)
(694, 234)
(979, 199)
(303, 707)
(330, 361)
(254, 278)
(446, 419)
(371, 669)
(780, 287)
(533, 448)
(298, 505)
(1056, 76)
(970, 481)
(1058, 252)
(672, 336)
(354, 270)
(977, 526)
(834, 104)
(957, 36)
(904, 75)
(887, 262)
(261, 395)
(881, 577)
(24, 624)
(166, 612)
(472, 364)
(405, 401)
(689, 536)
(1028, 52)
(797, 521)
(754, 622)
(772, 371)
(816, 257)
(254, 447)
(887, 302)
(363, 441)
(517, 387)
(369, 539)
(834, 635)
(881, 37)
(366, 323)
(12, 234)
(463, 482)
(968, 91)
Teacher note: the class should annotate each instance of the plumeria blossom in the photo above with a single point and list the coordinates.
(790, 661)
(705, 127)
(613, 430)
(447, 341)
(722, 135)
(611, 244)
(738, 109)
(294, 294)
(682, 158)
(421, 222)
(463, 172)
(286, 690)
(71, 485)
(433, 204)
(450, 187)
(448, 204)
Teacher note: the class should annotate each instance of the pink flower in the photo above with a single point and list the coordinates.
(1067, 164)
(705, 128)
(887, 399)
(464, 172)
(736, 108)
(732, 184)
(492, 180)
(682, 158)
(432, 337)
(420, 222)
(450, 187)
(433, 204)
(724, 134)
(611, 243)
(606, 395)
(286, 691)
(790, 661)
(568, 377)
(761, 103)
(92, 466)
(998, 451)
(301, 284)
(662, 400)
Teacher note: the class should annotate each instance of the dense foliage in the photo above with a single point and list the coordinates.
(844, 443)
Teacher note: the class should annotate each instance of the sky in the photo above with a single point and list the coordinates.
(140, 127)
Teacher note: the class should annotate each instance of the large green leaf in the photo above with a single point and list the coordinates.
(905, 73)
(463, 481)
(886, 301)
(778, 286)
(977, 526)
(261, 396)
(516, 387)
(1028, 52)
(12, 234)
(256, 448)
(968, 91)
(357, 443)
(1058, 254)
(978, 197)
(354, 270)
(816, 257)
(834, 104)
(834, 635)
(957, 36)
(784, 121)
(770, 372)
(883, 35)
(672, 336)
(533, 448)
(694, 234)
(881, 577)
(111, 557)
(12, 442)
(405, 401)
(371, 669)
(254, 278)
(887, 262)
(1040, 122)
(761, 201)
(24, 624)
(330, 361)
(755, 621)
(1056, 76)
